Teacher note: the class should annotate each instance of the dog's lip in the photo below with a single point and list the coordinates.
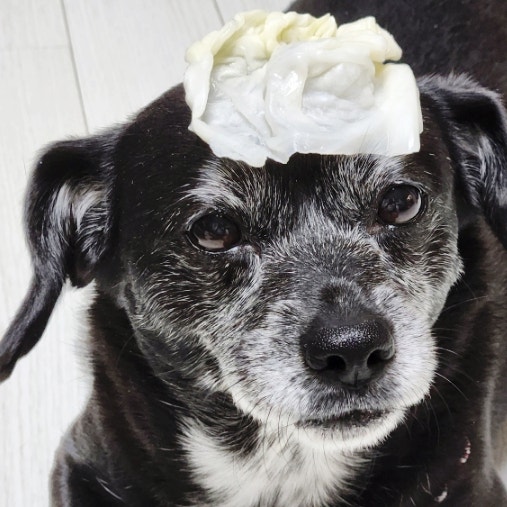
(352, 418)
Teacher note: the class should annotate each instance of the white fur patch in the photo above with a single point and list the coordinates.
(281, 472)
(76, 201)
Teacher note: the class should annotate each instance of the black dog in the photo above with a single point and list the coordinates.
(322, 333)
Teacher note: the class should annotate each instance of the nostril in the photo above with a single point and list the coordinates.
(379, 357)
(374, 359)
(336, 363)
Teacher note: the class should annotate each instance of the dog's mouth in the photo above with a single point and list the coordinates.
(352, 419)
(351, 430)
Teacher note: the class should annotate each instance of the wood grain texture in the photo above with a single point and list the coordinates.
(39, 102)
(128, 52)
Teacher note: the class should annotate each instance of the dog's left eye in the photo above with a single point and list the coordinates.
(214, 233)
(400, 204)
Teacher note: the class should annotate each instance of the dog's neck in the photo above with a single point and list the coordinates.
(279, 470)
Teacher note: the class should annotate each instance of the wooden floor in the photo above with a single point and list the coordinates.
(68, 68)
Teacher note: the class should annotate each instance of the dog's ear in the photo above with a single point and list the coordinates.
(68, 220)
(473, 122)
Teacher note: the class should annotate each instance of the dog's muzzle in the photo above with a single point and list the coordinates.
(350, 355)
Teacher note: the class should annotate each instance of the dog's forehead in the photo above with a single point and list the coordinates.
(306, 179)
(166, 169)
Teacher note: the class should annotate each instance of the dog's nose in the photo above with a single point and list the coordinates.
(352, 355)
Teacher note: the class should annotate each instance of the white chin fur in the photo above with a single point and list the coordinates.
(351, 439)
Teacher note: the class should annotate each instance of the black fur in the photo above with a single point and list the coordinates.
(122, 221)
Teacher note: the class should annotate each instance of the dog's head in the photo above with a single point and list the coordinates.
(307, 292)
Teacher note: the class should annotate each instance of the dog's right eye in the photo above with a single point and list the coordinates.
(214, 233)
(400, 205)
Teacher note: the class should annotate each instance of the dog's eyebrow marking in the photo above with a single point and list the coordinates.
(217, 185)
(349, 172)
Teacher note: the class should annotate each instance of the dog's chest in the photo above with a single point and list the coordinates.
(278, 473)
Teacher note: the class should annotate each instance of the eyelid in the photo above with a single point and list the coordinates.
(201, 213)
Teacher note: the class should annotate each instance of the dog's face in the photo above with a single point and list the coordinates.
(306, 292)
(253, 264)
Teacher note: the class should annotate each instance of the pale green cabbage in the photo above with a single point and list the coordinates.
(268, 85)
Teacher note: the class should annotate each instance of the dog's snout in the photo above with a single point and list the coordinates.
(352, 355)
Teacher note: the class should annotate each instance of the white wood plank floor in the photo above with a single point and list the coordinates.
(68, 68)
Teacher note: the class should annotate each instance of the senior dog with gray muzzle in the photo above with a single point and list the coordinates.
(328, 331)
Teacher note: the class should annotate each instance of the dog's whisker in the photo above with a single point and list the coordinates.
(445, 403)
(448, 351)
(452, 384)
(463, 303)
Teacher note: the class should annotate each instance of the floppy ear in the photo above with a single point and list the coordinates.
(474, 122)
(68, 221)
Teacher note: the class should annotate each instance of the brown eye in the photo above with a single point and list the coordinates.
(214, 233)
(400, 205)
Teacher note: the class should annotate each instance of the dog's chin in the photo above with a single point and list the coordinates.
(351, 431)
(346, 430)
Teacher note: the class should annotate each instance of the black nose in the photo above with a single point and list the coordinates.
(352, 355)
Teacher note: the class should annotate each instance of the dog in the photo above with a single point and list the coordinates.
(326, 332)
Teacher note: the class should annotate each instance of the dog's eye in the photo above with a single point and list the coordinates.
(214, 233)
(400, 204)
